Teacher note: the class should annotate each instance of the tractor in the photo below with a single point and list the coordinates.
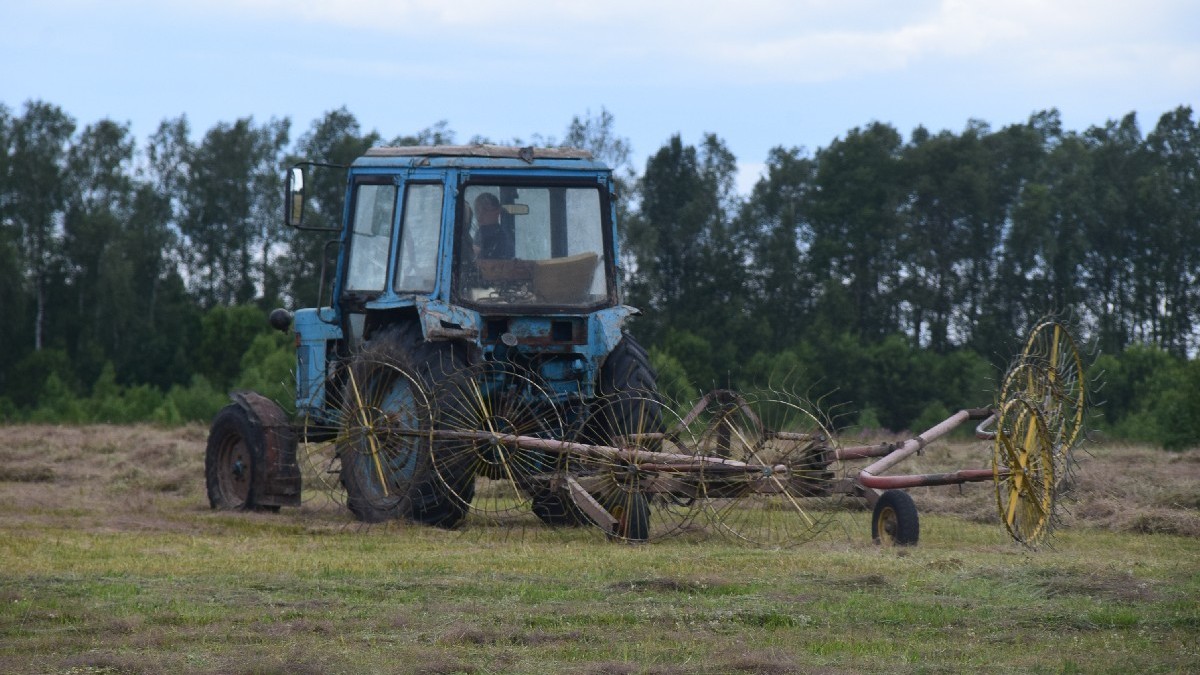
(473, 358)
(475, 287)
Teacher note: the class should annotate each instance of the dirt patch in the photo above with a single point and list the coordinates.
(670, 585)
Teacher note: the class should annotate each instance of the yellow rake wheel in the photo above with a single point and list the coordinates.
(1051, 374)
(776, 490)
(1024, 472)
(383, 437)
(494, 476)
(645, 480)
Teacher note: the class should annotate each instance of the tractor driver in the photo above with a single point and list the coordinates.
(496, 238)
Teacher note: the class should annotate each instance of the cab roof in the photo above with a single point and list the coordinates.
(479, 156)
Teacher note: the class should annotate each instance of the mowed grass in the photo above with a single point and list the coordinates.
(112, 563)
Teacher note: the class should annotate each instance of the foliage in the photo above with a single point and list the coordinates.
(888, 278)
(1151, 396)
(268, 367)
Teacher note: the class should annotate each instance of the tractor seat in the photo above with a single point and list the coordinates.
(562, 281)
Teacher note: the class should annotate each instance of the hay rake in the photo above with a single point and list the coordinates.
(760, 467)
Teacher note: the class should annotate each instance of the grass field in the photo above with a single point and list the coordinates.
(113, 563)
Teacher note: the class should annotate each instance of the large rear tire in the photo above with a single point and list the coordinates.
(385, 447)
(627, 378)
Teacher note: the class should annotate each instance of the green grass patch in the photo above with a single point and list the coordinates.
(118, 566)
(263, 595)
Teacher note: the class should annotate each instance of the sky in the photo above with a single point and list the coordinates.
(757, 73)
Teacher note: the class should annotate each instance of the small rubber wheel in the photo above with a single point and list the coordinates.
(894, 521)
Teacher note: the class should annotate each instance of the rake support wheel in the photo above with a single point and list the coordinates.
(894, 520)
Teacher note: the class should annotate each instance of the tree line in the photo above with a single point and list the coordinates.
(889, 278)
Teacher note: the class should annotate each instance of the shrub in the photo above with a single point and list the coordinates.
(198, 402)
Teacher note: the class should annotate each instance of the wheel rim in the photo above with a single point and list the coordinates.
(886, 525)
(234, 471)
(1053, 376)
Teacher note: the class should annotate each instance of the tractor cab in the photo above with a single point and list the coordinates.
(510, 251)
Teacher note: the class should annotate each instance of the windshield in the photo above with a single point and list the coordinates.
(531, 245)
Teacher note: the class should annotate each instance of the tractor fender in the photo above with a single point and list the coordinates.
(607, 327)
(279, 483)
(444, 321)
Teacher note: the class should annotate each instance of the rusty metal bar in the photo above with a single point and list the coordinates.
(926, 480)
(724, 397)
(865, 451)
(633, 455)
(913, 445)
(919, 442)
(588, 504)
(982, 432)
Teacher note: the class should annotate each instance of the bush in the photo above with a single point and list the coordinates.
(934, 413)
(268, 367)
(35, 372)
(198, 402)
(695, 355)
(58, 404)
(673, 383)
(1149, 396)
(8, 410)
(226, 334)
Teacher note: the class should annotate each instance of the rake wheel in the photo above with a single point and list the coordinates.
(1023, 469)
(480, 410)
(646, 482)
(772, 484)
(385, 422)
(1050, 373)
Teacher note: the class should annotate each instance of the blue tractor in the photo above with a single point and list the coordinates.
(476, 296)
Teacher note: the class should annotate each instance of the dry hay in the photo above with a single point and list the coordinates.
(145, 478)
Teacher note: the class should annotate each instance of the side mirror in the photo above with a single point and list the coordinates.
(293, 200)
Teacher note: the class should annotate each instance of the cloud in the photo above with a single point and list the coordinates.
(752, 41)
